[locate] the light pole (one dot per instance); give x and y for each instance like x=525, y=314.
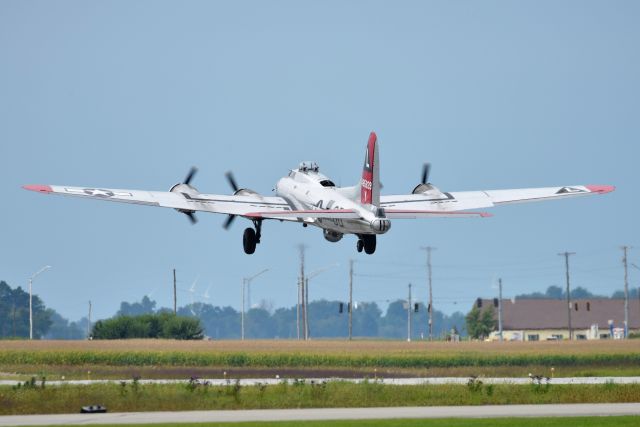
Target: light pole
x=33, y=276
x=246, y=281
x=409, y=315
x=306, y=296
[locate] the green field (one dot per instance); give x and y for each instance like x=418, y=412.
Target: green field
x=179, y=359
x=135, y=397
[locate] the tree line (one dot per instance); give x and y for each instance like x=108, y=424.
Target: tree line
x=327, y=319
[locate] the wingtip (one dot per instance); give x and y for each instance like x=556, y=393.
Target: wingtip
x=38, y=188
x=600, y=189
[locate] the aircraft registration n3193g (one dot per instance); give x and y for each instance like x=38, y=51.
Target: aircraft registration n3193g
x=307, y=196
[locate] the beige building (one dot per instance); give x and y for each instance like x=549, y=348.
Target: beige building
x=547, y=319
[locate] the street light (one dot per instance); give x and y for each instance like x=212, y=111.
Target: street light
x=246, y=281
x=306, y=295
x=33, y=276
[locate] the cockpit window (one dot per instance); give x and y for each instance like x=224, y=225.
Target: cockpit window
x=327, y=183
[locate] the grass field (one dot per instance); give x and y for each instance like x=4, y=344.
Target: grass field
x=444, y=422
x=180, y=359
x=137, y=397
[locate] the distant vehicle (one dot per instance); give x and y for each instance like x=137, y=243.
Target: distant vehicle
x=307, y=196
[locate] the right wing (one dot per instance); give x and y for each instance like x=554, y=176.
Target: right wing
x=436, y=203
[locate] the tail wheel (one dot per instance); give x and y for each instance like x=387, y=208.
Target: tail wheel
x=249, y=241
x=369, y=243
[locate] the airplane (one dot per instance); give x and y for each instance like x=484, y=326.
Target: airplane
x=307, y=196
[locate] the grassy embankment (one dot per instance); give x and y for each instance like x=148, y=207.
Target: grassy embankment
x=135, y=397
x=179, y=359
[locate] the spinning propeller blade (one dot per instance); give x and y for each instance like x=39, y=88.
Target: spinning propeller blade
x=190, y=175
x=426, y=168
x=232, y=181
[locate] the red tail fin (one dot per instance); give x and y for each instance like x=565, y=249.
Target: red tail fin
x=370, y=183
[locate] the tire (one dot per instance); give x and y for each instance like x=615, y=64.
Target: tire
x=369, y=243
x=249, y=241
x=359, y=245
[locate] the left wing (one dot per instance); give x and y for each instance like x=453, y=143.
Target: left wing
x=434, y=202
x=186, y=201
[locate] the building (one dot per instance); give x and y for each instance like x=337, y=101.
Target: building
x=546, y=319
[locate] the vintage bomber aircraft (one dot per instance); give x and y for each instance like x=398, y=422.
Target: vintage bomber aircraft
x=305, y=195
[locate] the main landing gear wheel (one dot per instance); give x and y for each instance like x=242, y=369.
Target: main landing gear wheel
x=251, y=237
x=249, y=241
x=369, y=243
x=360, y=245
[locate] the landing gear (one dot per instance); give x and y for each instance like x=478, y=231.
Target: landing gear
x=366, y=242
x=251, y=237
x=249, y=241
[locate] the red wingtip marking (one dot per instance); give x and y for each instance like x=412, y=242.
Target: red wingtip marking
x=38, y=188
x=486, y=214
x=601, y=189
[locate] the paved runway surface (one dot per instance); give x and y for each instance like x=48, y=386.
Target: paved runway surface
x=570, y=410
x=391, y=381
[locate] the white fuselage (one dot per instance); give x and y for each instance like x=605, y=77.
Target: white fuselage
x=308, y=190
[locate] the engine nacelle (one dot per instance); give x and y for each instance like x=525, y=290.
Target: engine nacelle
x=244, y=192
x=183, y=188
x=380, y=225
x=332, y=236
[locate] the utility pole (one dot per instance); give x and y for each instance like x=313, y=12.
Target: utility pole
x=566, y=263
x=306, y=308
x=409, y=315
x=246, y=282
x=500, y=308
x=301, y=297
x=626, y=291
x=350, y=299
x=175, y=298
x=638, y=289
x=430, y=306
x=33, y=276
x=89, y=322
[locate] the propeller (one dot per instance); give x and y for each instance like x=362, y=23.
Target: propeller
x=426, y=168
x=190, y=175
x=187, y=180
x=234, y=186
x=192, y=216
x=228, y=222
x=232, y=181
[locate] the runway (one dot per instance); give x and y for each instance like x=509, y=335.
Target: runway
x=494, y=411
x=388, y=381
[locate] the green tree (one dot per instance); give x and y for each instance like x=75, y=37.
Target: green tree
x=160, y=325
x=14, y=313
x=480, y=323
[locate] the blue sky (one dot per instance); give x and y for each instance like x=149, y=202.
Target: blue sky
x=126, y=94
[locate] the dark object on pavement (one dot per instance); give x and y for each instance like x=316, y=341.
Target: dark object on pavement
x=93, y=409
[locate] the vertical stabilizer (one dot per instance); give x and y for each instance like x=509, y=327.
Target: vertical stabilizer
x=370, y=183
